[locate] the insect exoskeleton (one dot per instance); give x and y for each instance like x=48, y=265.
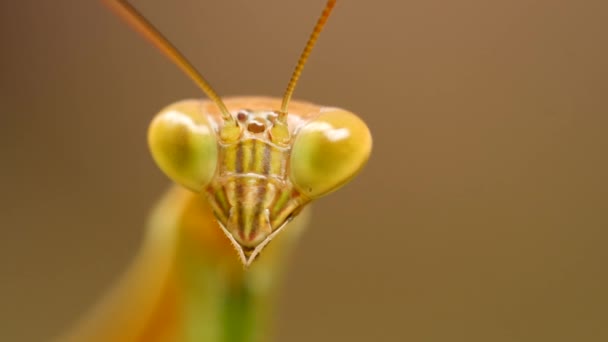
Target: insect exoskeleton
x=254, y=181
x=259, y=160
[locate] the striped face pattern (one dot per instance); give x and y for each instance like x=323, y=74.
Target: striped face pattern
x=252, y=195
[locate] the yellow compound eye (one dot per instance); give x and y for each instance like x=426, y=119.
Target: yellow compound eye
x=184, y=145
x=328, y=152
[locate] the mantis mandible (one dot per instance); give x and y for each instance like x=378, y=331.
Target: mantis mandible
x=245, y=167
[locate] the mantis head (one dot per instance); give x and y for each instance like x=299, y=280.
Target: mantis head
x=256, y=160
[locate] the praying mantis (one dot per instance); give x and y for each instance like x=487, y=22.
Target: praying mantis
x=245, y=169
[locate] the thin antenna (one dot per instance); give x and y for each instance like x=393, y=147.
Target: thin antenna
x=303, y=57
x=140, y=24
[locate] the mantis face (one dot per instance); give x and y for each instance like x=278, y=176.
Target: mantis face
x=256, y=159
x=257, y=177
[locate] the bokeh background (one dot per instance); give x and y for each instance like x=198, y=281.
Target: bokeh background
x=483, y=212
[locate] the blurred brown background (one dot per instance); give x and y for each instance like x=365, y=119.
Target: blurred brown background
x=482, y=215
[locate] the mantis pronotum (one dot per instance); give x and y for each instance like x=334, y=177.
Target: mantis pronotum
x=245, y=167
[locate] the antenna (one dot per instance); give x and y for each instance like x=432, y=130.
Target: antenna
x=140, y=24
x=303, y=57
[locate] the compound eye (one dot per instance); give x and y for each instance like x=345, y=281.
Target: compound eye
x=184, y=145
x=328, y=152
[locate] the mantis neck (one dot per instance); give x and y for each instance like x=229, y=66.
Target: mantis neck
x=219, y=299
x=187, y=283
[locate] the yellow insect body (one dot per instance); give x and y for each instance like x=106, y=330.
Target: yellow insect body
x=245, y=168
